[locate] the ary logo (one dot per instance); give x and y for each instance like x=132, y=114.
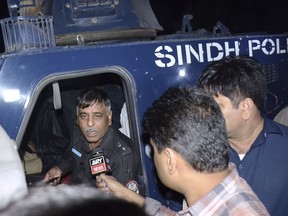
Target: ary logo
x=97, y=161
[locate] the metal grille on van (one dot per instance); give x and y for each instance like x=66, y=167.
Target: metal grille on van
x=26, y=33
x=89, y=3
x=90, y=8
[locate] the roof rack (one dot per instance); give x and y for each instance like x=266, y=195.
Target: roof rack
x=26, y=33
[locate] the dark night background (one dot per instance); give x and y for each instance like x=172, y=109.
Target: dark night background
x=242, y=16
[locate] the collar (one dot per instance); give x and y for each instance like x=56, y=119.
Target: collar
x=269, y=128
x=107, y=141
x=227, y=184
x=207, y=202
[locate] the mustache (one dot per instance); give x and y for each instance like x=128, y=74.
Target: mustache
x=90, y=129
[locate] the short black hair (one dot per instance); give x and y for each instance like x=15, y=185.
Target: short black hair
x=235, y=77
x=92, y=95
x=188, y=120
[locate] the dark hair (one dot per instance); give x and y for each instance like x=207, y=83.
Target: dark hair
x=188, y=120
x=237, y=78
x=92, y=95
x=70, y=200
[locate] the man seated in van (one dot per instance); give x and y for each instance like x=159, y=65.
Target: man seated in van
x=92, y=133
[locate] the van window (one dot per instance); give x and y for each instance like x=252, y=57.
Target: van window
x=49, y=131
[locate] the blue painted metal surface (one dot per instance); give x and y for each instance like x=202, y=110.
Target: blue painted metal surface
x=153, y=65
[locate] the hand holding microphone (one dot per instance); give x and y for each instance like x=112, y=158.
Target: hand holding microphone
x=99, y=164
x=109, y=184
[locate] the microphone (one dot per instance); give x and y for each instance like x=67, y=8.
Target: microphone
x=99, y=163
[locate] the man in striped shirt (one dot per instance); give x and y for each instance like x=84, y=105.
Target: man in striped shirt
x=189, y=139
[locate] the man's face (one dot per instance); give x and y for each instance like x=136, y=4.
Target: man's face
x=160, y=164
x=233, y=118
x=94, y=122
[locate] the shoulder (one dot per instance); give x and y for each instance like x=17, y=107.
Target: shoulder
x=274, y=128
x=123, y=144
x=239, y=196
x=122, y=136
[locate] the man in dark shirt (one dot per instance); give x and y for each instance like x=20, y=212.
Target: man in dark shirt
x=258, y=145
x=93, y=131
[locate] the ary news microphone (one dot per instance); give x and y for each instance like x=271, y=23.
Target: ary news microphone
x=99, y=163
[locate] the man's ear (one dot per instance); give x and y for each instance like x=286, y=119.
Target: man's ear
x=171, y=160
x=247, y=107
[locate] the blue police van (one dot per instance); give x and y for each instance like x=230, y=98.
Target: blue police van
x=53, y=49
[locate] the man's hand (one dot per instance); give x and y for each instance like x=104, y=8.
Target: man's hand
x=53, y=176
x=109, y=184
x=101, y=185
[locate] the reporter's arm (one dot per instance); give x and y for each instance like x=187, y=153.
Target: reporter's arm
x=110, y=185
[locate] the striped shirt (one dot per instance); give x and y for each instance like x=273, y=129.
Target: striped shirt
x=233, y=197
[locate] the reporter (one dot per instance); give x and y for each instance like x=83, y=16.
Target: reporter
x=189, y=139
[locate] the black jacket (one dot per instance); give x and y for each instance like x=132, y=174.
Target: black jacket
x=117, y=147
